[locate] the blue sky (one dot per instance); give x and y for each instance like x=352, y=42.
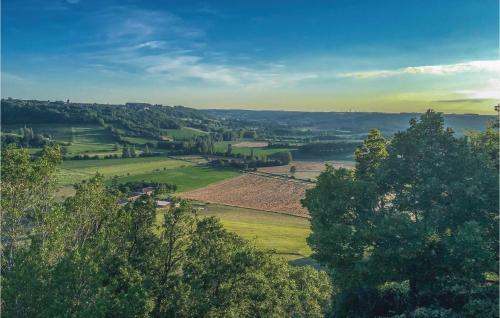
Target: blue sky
x=393, y=56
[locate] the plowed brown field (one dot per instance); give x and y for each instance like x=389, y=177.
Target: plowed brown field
x=255, y=192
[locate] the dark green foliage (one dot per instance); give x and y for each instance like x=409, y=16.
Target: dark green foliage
x=138, y=185
x=26, y=138
x=90, y=257
x=419, y=214
x=285, y=157
x=328, y=148
x=136, y=119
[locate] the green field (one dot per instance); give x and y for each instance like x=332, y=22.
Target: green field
x=84, y=139
x=221, y=146
x=186, y=178
x=283, y=233
x=186, y=174
x=139, y=140
x=184, y=133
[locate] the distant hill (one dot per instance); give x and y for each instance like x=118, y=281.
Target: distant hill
x=348, y=122
x=137, y=119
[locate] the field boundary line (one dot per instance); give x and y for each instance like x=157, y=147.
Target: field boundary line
x=251, y=208
x=278, y=176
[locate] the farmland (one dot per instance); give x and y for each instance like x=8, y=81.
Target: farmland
x=283, y=233
x=244, y=148
x=186, y=173
x=186, y=177
x=84, y=139
x=255, y=192
x=306, y=169
x=251, y=144
x=184, y=133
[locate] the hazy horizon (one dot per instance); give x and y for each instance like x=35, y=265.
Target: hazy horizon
x=323, y=56
x=278, y=109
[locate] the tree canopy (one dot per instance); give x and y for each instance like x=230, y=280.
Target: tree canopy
x=413, y=230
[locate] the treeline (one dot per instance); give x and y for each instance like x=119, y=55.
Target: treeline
x=327, y=148
x=90, y=257
x=143, y=120
x=160, y=187
x=240, y=161
x=26, y=138
x=192, y=146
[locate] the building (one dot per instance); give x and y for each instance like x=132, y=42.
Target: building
x=148, y=190
x=163, y=204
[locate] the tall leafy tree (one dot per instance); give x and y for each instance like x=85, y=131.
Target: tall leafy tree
x=420, y=213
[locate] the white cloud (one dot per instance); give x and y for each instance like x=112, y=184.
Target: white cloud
x=489, y=91
x=445, y=69
x=181, y=67
x=131, y=24
x=161, y=45
x=151, y=45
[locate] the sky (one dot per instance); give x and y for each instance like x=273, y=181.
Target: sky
x=337, y=55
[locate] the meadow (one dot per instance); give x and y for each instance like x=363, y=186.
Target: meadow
x=84, y=139
x=285, y=234
x=184, y=133
x=186, y=178
x=221, y=146
x=186, y=174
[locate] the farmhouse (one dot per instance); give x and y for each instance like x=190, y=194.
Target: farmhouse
x=148, y=190
x=132, y=196
x=163, y=204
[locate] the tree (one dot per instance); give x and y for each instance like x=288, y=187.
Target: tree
x=421, y=213
x=285, y=157
x=370, y=155
x=27, y=192
x=133, y=153
x=126, y=152
x=90, y=257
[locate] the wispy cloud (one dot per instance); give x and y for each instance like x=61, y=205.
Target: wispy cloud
x=136, y=25
x=162, y=45
x=176, y=67
x=444, y=69
x=11, y=77
x=151, y=45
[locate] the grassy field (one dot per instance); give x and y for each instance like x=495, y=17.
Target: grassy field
x=283, y=233
x=139, y=141
x=75, y=170
x=186, y=178
x=221, y=146
x=84, y=139
x=186, y=174
x=184, y=133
